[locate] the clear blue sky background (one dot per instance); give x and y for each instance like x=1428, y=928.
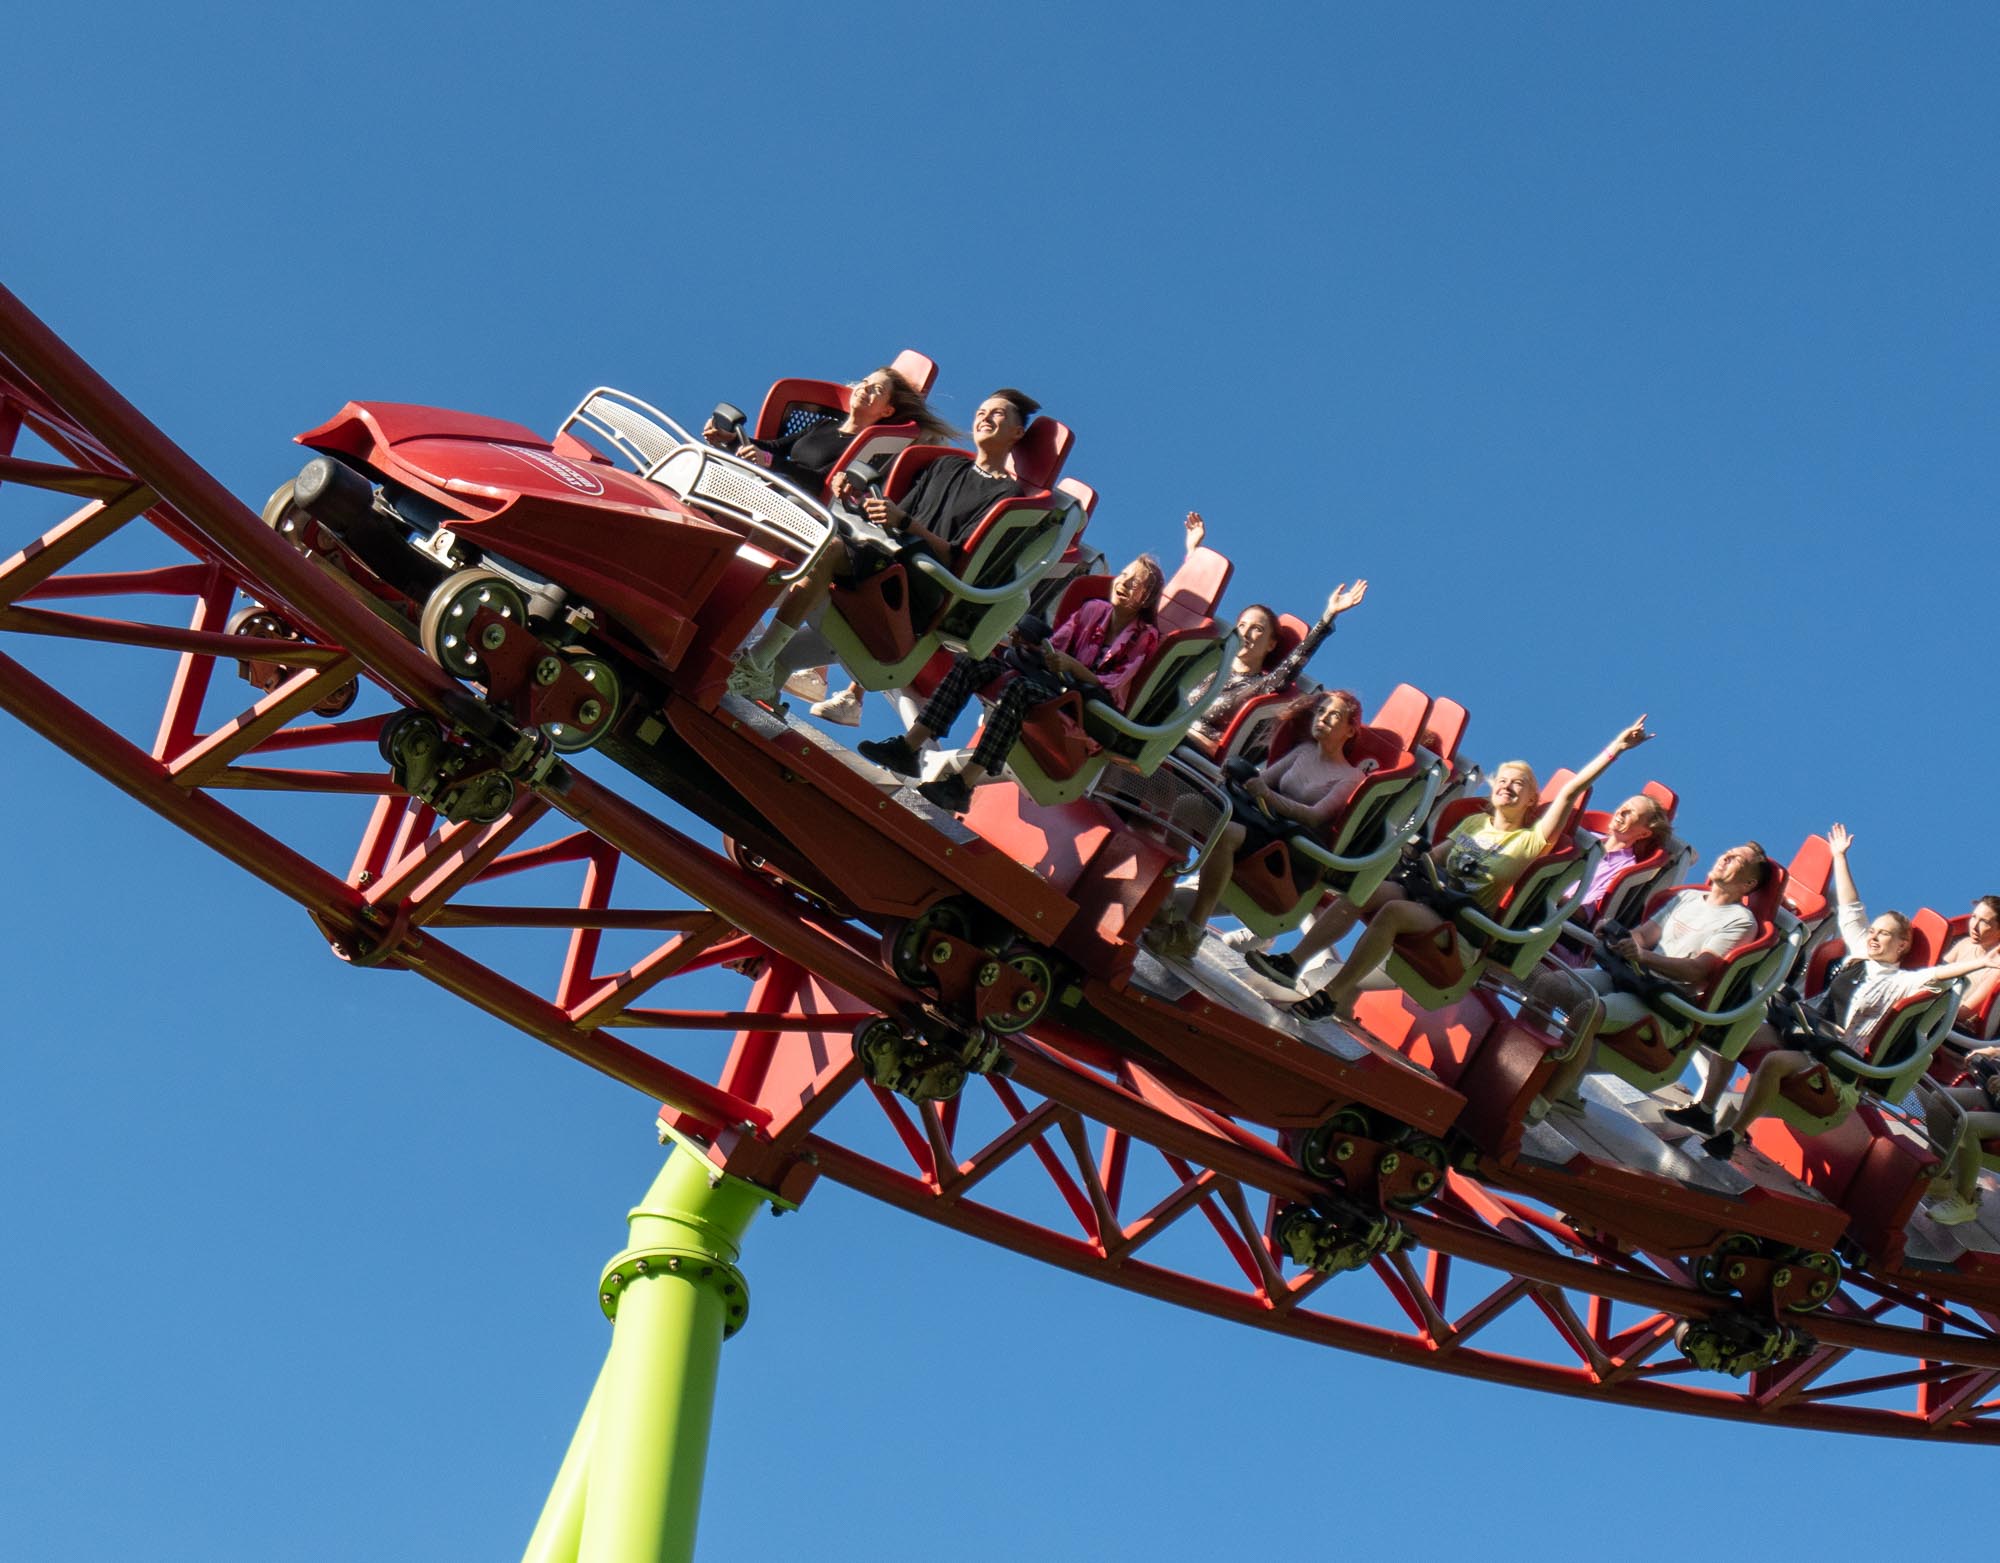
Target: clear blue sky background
x=1642, y=357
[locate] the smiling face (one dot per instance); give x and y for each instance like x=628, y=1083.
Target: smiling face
x=1135, y=586
x=869, y=401
x=1634, y=819
x=1513, y=790
x=1887, y=940
x=1257, y=632
x=997, y=427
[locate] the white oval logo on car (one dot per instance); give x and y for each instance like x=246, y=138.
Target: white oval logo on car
x=566, y=473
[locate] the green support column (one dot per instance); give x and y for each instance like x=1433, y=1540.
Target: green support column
x=630, y=1487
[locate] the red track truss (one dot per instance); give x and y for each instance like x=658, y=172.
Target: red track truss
x=1099, y=1169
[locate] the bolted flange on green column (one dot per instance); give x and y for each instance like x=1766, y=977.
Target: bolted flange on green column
x=673, y=1295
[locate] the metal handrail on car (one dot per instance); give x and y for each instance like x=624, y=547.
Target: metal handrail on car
x=1100, y=710
x=1760, y=992
x=1026, y=573
x=1565, y=906
x=663, y=452
x=1928, y=1042
x=1396, y=834
x=1138, y=796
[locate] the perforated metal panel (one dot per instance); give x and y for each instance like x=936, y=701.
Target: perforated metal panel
x=733, y=488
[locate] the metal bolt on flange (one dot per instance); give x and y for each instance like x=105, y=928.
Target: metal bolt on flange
x=588, y=712
x=547, y=671
x=989, y=974
x=493, y=637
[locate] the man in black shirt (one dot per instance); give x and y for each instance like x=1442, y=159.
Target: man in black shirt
x=936, y=515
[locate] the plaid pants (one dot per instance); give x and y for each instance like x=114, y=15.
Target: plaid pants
x=1003, y=722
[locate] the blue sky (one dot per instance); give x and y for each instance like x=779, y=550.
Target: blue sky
x=1642, y=358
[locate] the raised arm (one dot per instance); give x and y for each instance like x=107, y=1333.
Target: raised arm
x=1557, y=808
x=1840, y=841
x=1283, y=672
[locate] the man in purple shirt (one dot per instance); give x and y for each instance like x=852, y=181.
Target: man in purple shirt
x=1638, y=825
x=1100, y=647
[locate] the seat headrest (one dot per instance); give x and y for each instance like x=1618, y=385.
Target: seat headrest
x=1444, y=727
x=1765, y=901
x=1191, y=595
x=1403, y=714
x=1291, y=631
x=1038, y=459
x=1663, y=795
x=920, y=369
x=1928, y=932
x=1811, y=866
x=1082, y=493
x=1372, y=743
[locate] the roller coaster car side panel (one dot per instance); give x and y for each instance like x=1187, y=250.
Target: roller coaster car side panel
x=889, y=862
x=1116, y=877
x=1267, y=1077
x=1874, y=1167
x=1474, y=1047
x=620, y=544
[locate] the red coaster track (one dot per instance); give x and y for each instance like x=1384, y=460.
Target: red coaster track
x=1081, y=1157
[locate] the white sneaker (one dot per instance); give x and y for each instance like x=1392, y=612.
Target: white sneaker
x=808, y=684
x=1244, y=939
x=843, y=709
x=1952, y=1211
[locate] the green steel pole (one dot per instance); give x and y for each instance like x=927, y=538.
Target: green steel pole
x=673, y=1295
x=561, y=1524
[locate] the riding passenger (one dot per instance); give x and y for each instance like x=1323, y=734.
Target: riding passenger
x=1636, y=827
x=1306, y=785
x=1871, y=984
x=1253, y=673
x=1982, y=937
x=1099, y=647
x=805, y=458
x=939, y=512
x=1484, y=855
x=1682, y=944
x=1980, y=1105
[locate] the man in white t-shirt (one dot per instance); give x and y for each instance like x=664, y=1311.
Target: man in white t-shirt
x=1683, y=943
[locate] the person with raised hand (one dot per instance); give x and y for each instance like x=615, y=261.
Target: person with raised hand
x=1870, y=984
x=1482, y=856
x=1253, y=672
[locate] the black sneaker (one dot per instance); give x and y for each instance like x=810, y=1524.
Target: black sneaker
x=1693, y=1116
x=892, y=754
x=1720, y=1146
x=1281, y=969
x=948, y=792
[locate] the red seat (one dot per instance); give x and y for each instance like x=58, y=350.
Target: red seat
x=795, y=404
x=1632, y=886
x=1896, y=1051
x=1722, y=1012
x=1250, y=729
x=1158, y=705
x=1273, y=888
x=1442, y=967
x=885, y=628
x=1444, y=728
